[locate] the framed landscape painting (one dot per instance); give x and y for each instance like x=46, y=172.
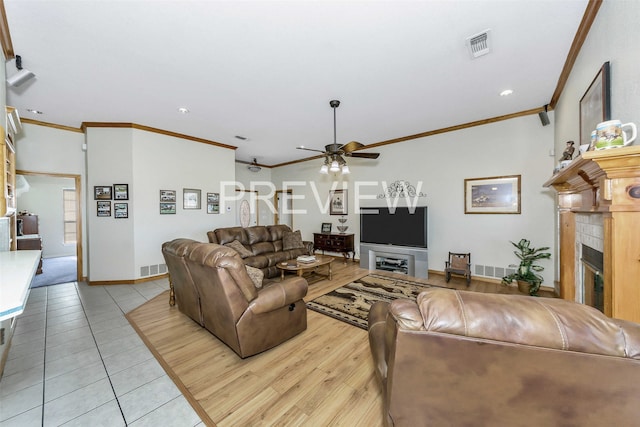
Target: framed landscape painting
x=492, y=195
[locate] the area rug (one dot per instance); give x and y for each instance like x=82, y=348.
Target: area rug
x=351, y=303
x=55, y=271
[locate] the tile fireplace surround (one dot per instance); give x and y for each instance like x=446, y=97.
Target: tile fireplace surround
x=599, y=206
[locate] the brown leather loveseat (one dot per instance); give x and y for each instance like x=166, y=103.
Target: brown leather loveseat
x=263, y=247
x=459, y=358
x=212, y=286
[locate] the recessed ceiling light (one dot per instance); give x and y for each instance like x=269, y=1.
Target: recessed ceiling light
x=183, y=110
x=506, y=92
x=32, y=111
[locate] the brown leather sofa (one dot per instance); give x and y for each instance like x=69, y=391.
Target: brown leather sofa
x=246, y=318
x=459, y=358
x=265, y=245
x=186, y=295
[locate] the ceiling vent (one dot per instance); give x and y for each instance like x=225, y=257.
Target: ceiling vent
x=479, y=44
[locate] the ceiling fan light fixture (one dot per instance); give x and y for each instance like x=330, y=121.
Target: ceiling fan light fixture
x=324, y=169
x=345, y=169
x=335, y=166
x=254, y=167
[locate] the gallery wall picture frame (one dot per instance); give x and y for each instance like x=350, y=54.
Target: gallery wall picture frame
x=595, y=104
x=213, y=203
x=121, y=210
x=326, y=227
x=104, y=208
x=167, y=196
x=102, y=192
x=120, y=191
x=492, y=195
x=167, y=208
x=191, y=198
x=338, y=202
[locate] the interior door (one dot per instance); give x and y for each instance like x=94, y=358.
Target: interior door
x=284, y=207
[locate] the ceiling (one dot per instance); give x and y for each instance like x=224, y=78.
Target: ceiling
x=266, y=70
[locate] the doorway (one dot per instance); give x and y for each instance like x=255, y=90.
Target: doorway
x=56, y=181
x=283, y=202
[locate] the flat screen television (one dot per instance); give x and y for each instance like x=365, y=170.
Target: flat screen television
x=399, y=228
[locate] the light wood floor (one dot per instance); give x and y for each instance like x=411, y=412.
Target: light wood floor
x=324, y=376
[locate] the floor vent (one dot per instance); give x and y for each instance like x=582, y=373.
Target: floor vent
x=144, y=271
x=491, y=271
x=479, y=44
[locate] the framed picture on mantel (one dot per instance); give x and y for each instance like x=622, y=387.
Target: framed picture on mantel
x=595, y=104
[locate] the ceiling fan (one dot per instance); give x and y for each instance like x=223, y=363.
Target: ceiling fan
x=334, y=153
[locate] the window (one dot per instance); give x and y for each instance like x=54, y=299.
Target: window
x=69, y=215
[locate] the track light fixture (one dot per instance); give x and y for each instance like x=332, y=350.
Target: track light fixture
x=22, y=76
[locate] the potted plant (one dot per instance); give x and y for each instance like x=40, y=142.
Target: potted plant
x=526, y=275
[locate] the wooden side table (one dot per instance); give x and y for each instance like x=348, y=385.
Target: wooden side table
x=335, y=242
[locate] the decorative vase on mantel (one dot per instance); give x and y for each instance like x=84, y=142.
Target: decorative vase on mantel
x=342, y=228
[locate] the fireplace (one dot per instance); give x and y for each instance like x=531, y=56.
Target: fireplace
x=592, y=282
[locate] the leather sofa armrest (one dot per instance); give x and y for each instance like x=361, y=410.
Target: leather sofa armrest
x=377, y=342
x=279, y=294
x=308, y=246
x=407, y=314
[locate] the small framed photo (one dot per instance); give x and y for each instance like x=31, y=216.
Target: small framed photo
x=190, y=198
x=492, y=195
x=167, y=208
x=167, y=196
x=326, y=227
x=102, y=192
x=121, y=210
x=213, y=203
x=338, y=202
x=104, y=208
x=120, y=192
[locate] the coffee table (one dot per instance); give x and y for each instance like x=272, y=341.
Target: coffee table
x=301, y=267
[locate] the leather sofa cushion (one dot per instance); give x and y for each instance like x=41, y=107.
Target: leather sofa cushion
x=238, y=247
x=292, y=240
x=549, y=322
x=257, y=234
x=228, y=235
x=260, y=248
x=277, y=231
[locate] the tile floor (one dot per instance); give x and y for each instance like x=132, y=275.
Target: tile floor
x=76, y=361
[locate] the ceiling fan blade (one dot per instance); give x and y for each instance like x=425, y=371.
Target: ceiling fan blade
x=310, y=149
x=364, y=155
x=351, y=146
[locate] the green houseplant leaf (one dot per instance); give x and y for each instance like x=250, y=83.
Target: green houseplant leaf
x=527, y=270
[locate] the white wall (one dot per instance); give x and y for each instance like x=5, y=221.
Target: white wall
x=614, y=37
x=45, y=199
x=441, y=163
x=46, y=149
x=261, y=182
x=149, y=162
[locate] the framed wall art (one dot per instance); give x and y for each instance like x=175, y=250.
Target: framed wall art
x=121, y=210
x=120, y=191
x=104, y=208
x=492, y=195
x=102, y=192
x=338, y=202
x=213, y=203
x=326, y=227
x=190, y=198
x=167, y=196
x=595, y=104
x=167, y=208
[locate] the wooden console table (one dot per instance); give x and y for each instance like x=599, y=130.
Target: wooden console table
x=335, y=242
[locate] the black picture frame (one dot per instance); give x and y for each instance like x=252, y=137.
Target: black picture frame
x=167, y=196
x=103, y=208
x=191, y=198
x=595, y=104
x=213, y=203
x=120, y=191
x=121, y=210
x=102, y=192
x=326, y=227
x=167, y=208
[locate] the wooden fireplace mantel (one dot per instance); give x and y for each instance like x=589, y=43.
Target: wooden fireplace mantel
x=606, y=182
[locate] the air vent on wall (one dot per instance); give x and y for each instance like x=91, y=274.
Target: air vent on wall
x=479, y=44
